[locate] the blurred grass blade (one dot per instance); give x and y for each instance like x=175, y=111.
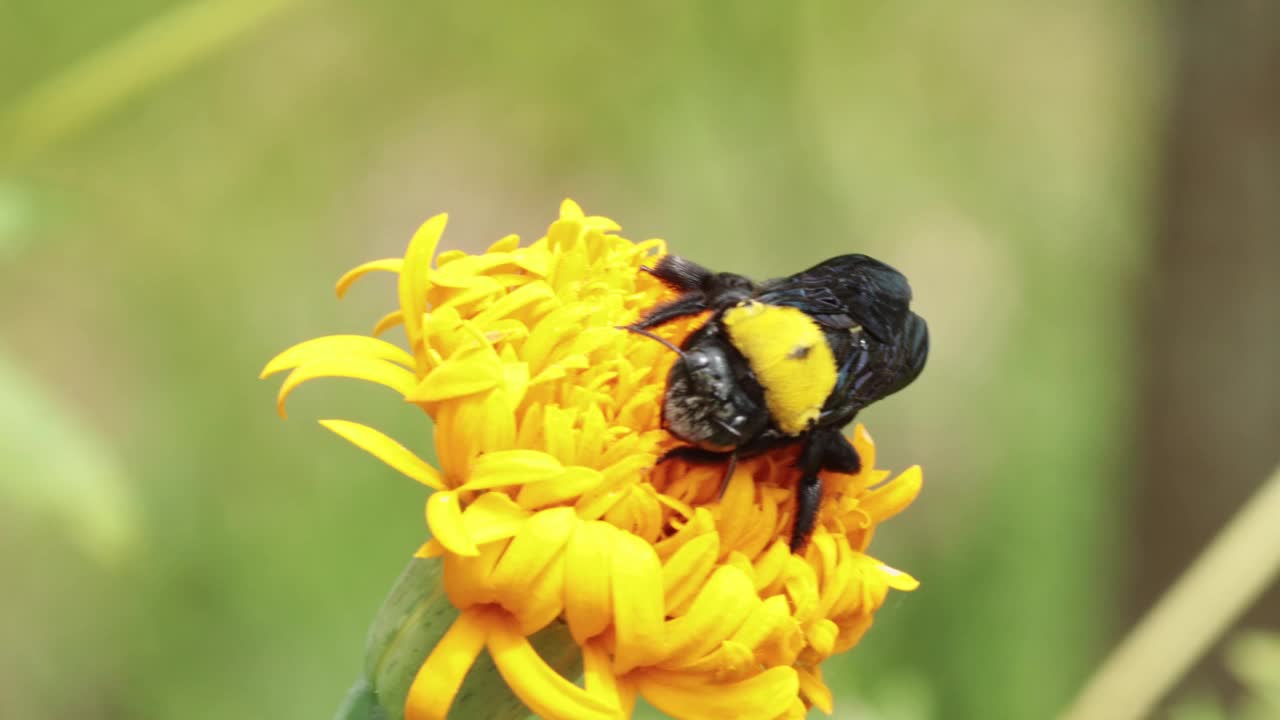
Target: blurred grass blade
x=1223, y=582
x=159, y=49
x=52, y=465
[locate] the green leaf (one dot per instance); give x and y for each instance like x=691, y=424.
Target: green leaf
x=414, y=617
x=57, y=466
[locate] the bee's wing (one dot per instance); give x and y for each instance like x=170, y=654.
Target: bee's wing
x=846, y=292
x=877, y=372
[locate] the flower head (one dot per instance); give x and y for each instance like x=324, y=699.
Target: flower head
x=549, y=504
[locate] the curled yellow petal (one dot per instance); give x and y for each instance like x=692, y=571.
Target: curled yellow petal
x=719, y=610
x=358, y=368
x=413, y=276
x=538, y=685
x=598, y=677
x=688, y=568
x=821, y=635
x=541, y=601
x=445, y=519
x=540, y=540
x=388, y=321
x=439, y=678
x=336, y=346
x=814, y=689
x=894, y=496
x=348, y=279
x=387, y=450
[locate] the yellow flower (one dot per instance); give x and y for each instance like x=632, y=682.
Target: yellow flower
x=548, y=506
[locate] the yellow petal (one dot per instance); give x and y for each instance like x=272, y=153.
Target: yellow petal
x=493, y=516
x=570, y=210
x=692, y=697
x=457, y=377
x=814, y=689
x=769, y=567
x=438, y=680
x=898, y=580
x=506, y=244
x=701, y=523
x=802, y=587
x=636, y=578
x=719, y=610
x=570, y=484
x=358, y=368
x=388, y=321
x=513, y=302
x=587, y=588
x=821, y=636
x=728, y=662
x=538, y=685
x=387, y=450
x=337, y=346
x=685, y=572
x=865, y=446
x=429, y=549
x=413, y=276
x=894, y=496
x=444, y=517
x=852, y=630
x=766, y=619
x=536, y=605
x=504, y=468
x=598, y=677
x=466, y=578
x=385, y=265
x=542, y=538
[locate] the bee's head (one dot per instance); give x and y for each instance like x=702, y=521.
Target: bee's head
x=712, y=401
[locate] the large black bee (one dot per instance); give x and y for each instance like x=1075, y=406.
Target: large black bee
x=786, y=361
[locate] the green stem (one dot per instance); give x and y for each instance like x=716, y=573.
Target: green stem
x=1221, y=584
x=156, y=51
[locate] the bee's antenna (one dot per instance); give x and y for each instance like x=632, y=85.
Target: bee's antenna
x=651, y=336
x=728, y=474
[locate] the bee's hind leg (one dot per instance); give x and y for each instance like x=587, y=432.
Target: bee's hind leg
x=824, y=449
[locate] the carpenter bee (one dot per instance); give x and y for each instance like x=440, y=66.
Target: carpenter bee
x=787, y=361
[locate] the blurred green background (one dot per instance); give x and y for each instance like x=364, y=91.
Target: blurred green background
x=181, y=184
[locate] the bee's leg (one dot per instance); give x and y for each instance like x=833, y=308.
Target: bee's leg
x=808, y=489
x=824, y=449
x=808, y=500
x=683, y=306
x=728, y=473
x=694, y=455
x=680, y=274
x=840, y=455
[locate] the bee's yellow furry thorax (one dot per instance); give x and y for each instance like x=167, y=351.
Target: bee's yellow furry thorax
x=790, y=357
